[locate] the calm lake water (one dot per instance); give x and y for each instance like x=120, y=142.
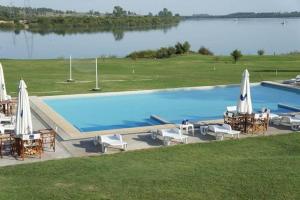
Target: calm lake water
x=219, y=35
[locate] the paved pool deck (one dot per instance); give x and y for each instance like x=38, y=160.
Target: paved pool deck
x=86, y=147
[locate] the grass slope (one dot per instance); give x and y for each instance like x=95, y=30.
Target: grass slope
x=44, y=76
x=253, y=168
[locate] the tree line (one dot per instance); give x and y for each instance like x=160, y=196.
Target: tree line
x=48, y=20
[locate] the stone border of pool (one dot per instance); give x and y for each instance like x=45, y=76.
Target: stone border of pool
x=67, y=131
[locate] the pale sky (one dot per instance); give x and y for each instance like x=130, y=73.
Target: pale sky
x=183, y=7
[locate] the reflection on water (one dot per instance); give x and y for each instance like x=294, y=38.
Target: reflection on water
x=220, y=35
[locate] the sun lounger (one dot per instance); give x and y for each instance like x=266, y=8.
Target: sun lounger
x=222, y=130
x=293, y=122
x=110, y=141
x=293, y=80
x=169, y=135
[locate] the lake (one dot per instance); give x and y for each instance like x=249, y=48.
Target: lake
x=221, y=36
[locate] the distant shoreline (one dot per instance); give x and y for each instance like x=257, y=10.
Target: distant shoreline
x=242, y=15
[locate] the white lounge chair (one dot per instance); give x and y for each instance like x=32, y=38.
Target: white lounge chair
x=222, y=130
x=169, y=135
x=293, y=122
x=293, y=80
x=297, y=79
x=110, y=141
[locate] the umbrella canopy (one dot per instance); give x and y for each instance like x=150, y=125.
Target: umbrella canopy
x=23, y=115
x=245, y=103
x=3, y=94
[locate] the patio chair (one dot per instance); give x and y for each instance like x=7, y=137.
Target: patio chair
x=169, y=135
x=110, y=141
x=7, y=128
x=260, y=123
x=232, y=109
x=7, y=119
x=222, y=130
x=6, y=143
x=291, y=121
x=48, y=138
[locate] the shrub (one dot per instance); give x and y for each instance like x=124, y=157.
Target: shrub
x=205, y=51
x=236, y=55
x=142, y=54
x=162, y=53
x=182, y=48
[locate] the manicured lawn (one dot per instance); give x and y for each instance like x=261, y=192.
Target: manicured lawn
x=44, y=77
x=254, y=168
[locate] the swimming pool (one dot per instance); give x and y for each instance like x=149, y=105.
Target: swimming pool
x=127, y=110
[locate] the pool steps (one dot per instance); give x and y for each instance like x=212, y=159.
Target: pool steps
x=159, y=119
x=285, y=106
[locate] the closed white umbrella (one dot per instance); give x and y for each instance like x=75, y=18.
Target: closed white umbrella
x=245, y=103
x=23, y=115
x=3, y=94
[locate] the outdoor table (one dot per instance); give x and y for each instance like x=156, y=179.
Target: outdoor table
x=187, y=127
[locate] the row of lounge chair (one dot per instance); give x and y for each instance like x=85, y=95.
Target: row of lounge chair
x=258, y=122
x=293, y=80
x=290, y=121
x=167, y=136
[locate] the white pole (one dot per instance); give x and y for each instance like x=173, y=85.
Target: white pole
x=70, y=68
x=97, y=73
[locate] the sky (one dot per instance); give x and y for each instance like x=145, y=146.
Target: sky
x=183, y=7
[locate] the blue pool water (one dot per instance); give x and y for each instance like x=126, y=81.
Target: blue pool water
x=132, y=110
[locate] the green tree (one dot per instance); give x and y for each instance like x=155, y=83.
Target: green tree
x=165, y=13
x=236, y=55
x=186, y=47
x=179, y=48
x=119, y=11
x=261, y=52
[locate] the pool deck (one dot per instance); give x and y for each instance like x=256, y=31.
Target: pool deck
x=139, y=141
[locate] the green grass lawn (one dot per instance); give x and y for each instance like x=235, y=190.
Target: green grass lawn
x=44, y=77
x=253, y=168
